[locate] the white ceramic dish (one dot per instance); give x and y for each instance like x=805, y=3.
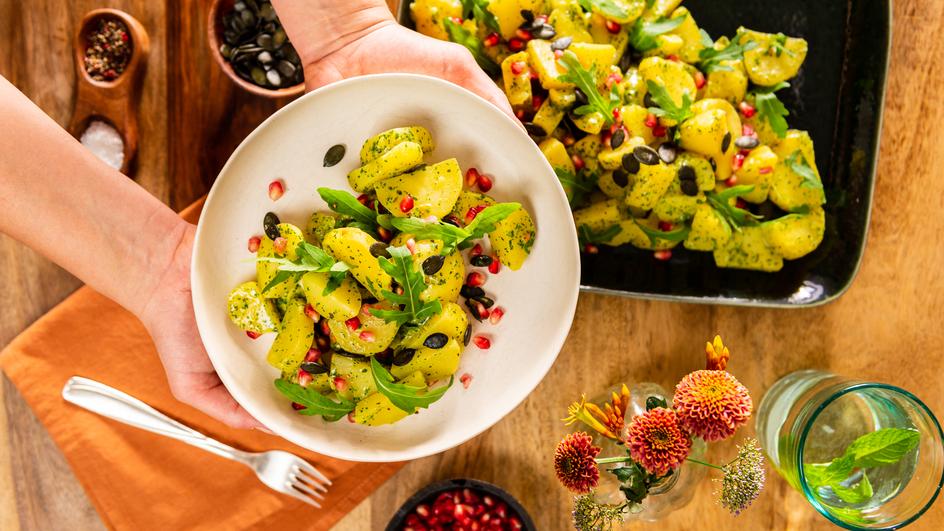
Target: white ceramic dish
x=539, y=299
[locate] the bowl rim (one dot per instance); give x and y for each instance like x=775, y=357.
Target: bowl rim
x=443, y=485
x=567, y=308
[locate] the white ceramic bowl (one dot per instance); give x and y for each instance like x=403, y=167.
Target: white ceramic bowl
x=539, y=299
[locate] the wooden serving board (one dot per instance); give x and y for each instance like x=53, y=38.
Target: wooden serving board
x=191, y=117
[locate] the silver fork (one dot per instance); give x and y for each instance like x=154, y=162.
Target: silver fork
x=280, y=471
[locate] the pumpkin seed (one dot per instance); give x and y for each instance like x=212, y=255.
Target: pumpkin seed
x=258, y=76
x=270, y=225
x=404, y=356
x=689, y=187
x=686, y=173
x=264, y=57
x=273, y=77
x=580, y=97
x=286, y=68
x=486, y=301
x=726, y=142
x=467, y=336
x=562, y=43
x=313, y=368
x=437, y=340
x=534, y=129
x=527, y=15
x=481, y=260
x=433, y=264
x=747, y=142
x=334, y=155
x=621, y=178
x=667, y=152
x=630, y=164
x=646, y=155
x=264, y=40
x=471, y=292
x=546, y=32
x=379, y=249
x=617, y=139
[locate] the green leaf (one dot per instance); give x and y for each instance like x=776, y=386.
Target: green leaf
x=406, y=397
x=798, y=165
x=607, y=8
x=413, y=309
x=311, y=258
x=481, y=13
x=452, y=236
x=666, y=105
x=771, y=109
x=706, y=39
x=586, y=81
x=838, y=470
x=315, y=403
x=485, y=220
x=578, y=188
x=736, y=217
x=676, y=235
x=883, y=447
x=710, y=59
x=643, y=35
x=337, y=274
x=280, y=276
x=588, y=235
x=462, y=36
x=860, y=493
x=346, y=204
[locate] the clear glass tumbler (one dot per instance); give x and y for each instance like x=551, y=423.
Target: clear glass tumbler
x=865, y=455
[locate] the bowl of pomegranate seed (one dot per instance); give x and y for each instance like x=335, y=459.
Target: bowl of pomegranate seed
x=461, y=504
x=384, y=268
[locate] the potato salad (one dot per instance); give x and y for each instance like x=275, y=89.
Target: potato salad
x=368, y=301
x=660, y=135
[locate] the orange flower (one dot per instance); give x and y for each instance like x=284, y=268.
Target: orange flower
x=608, y=421
x=712, y=404
x=575, y=464
x=717, y=354
x=657, y=442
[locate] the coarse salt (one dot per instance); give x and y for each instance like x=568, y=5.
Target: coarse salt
x=105, y=142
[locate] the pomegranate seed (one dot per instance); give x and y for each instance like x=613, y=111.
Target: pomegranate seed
x=398, y=290
x=124, y=36
x=651, y=121
x=485, y=183
x=700, y=80
x=569, y=140
x=491, y=40
x=476, y=250
x=659, y=130
x=363, y=199
x=473, y=211
x=353, y=323
x=367, y=337
x=253, y=335
x=591, y=248
x=579, y=164
x=501, y=511
x=481, y=310
x=488, y=500
x=520, y=114
x=350, y=417
x=411, y=245
x=740, y=203
x=276, y=190
x=536, y=101
x=457, y=20
x=304, y=378
x=747, y=109
x=469, y=497
x=471, y=177
x=541, y=18
x=322, y=342
x=663, y=254
x=280, y=244
x=515, y=523
x=496, y=316
x=313, y=355
x=516, y=44
x=325, y=329
x=738, y=161
x=665, y=226
x=613, y=27
x=617, y=115
x=482, y=342
x=731, y=181
x=523, y=34
x=311, y=313
x=558, y=54
x=297, y=407
x=605, y=138
x=340, y=384
x=765, y=170
x=495, y=266
x=384, y=234
x=475, y=279
x=672, y=57
x=254, y=244
x=422, y=510
x=517, y=67
x=406, y=204
x=747, y=130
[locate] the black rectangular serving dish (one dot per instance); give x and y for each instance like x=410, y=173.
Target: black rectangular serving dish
x=837, y=97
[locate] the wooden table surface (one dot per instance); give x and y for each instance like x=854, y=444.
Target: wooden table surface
x=886, y=328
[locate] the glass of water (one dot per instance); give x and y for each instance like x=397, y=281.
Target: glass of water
x=866, y=455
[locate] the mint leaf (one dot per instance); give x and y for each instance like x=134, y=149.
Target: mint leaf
x=860, y=493
x=666, y=105
x=406, y=397
x=413, y=309
x=607, y=8
x=771, y=109
x=838, y=470
x=315, y=403
x=586, y=81
x=588, y=235
x=798, y=165
x=710, y=59
x=462, y=36
x=346, y=204
x=883, y=447
x=643, y=35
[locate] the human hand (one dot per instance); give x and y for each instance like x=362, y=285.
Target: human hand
x=169, y=318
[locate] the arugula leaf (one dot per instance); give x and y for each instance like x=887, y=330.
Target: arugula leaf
x=706, y=39
x=771, y=109
x=710, y=59
x=462, y=36
x=485, y=220
x=400, y=266
x=798, y=165
x=607, y=8
x=588, y=235
x=452, y=236
x=311, y=258
x=666, y=105
x=736, y=217
x=346, y=204
x=643, y=35
x=315, y=403
x=586, y=81
x=676, y=235
x=280, y=277
x=860, y=493
x=883, y=447
x=476, y=9
x=406, y=397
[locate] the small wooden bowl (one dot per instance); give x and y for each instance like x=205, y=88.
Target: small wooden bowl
x=113, y=102
x=215, y=38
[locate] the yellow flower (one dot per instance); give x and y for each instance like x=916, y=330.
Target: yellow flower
x=717, y=354
x=609, y=421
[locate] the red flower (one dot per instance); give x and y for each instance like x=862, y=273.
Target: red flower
x=574, y=463
x=712, y=404
x=657, y=442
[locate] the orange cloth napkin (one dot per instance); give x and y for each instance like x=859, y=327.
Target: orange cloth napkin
x=136, y=479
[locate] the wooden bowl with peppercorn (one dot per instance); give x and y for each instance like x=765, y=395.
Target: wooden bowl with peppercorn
x=248, y=42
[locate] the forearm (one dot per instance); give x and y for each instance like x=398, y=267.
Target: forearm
x=59, y=199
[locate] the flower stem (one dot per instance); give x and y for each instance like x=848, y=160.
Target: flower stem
x=704, y=463
x=605, y=460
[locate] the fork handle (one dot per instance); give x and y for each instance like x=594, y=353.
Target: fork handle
x=117, y=405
